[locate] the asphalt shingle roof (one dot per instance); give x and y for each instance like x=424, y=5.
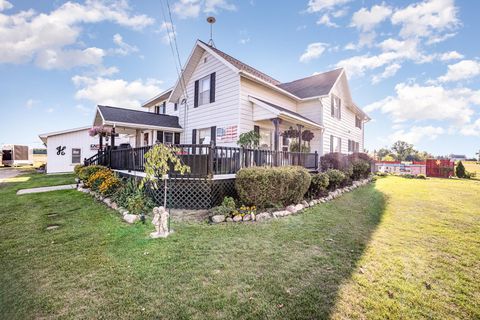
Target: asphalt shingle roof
x=313, y=86
x=286, y=111
x=114, y=114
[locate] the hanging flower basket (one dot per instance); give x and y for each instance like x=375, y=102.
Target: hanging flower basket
x=99, y=130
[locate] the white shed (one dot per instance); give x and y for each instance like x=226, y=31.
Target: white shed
x=67, y=148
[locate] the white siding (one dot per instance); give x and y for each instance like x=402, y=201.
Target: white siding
x=344, y=128
x=222, y=112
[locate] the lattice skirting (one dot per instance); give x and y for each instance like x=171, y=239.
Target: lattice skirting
x=194, y=193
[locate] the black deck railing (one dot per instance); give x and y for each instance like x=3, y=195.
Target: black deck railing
x=207, y=160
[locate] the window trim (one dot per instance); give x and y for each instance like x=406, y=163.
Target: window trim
x=339, y=141
x=358, y=122
x=204, y=95
x=199, y=131
x=79, y=155
x=334, y=113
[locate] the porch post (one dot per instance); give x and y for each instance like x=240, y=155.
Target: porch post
x=113, y=137
x=301, y=161
x=100, y=142
x=276, y=141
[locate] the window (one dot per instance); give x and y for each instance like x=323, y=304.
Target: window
x=157, y=109
x=353, y=146
x=204, y=90
x=168, y=137
x=265, y=139
x=204, y=136
x=336, y=107
x=76, y=155
x=358, y=122
x=335, y=144
x=145, y=139
x=164, y=107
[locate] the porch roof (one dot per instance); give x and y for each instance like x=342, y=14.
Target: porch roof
x=136, y=119
x=285, y=114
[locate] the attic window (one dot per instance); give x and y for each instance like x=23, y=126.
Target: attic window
x=205, y=60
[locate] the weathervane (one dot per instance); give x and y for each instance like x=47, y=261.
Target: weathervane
x=211, y=21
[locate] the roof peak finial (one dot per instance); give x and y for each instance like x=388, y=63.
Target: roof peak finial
x=211, y=20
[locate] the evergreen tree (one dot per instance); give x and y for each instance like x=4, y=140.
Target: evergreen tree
x=460, y=170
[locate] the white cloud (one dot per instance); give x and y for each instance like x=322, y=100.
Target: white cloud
x=313, y=51
x=115, y=92
x=366, y=20
x=416, y=134
x=123, y=47
x=244, y=40
x=50, y=39
x=472, y=129
x=427, y=19
x=212, y=6
x=191, y=8
x=389, y=71
x=324, y=5
x=465, y=69
x=84, y=110
x=5, y=5
x=168, y=31
x=417, y=103
x=325, y=20
x=451, y=55
x=49, y=110
x=31, y=102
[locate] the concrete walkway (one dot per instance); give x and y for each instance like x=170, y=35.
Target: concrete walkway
x=7, y=173
x=46, y=189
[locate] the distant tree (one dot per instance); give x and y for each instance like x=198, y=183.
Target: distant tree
x=383, y=152
x=402, y=149
x=460, y=170
x=388, y=157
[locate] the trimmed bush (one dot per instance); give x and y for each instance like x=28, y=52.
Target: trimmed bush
x=360, y=169
x=336, y=178
x=84, y=172
x=319, y=185
x=264, y=187
x=421, y=176
x=460, y=170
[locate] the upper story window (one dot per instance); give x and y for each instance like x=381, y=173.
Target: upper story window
x=163, y=108
x=204, y=90
x=157, y=109
x=336, y=107
x=358, y=122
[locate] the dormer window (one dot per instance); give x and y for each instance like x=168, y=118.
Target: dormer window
x=336, y=107
x=157, y=109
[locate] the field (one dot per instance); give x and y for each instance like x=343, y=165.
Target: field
x=399, y=249
x=473, y=166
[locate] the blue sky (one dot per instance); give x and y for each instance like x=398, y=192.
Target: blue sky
x=413, y=65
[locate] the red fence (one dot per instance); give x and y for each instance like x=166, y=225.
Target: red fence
x=440, y=168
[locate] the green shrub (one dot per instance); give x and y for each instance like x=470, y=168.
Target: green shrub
x=381, y=174
x=77, y=169
x=335, y=178
x=421, y=176
x=263, y=187
x=104, y=180
x=319, y=185
x=408, y=175
x=360, y=169
x=84, y=172
x=226, y=209
x=127, y=189
x=460, y=170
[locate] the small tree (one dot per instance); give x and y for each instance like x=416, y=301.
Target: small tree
x=159, y=160
x=249, y=139
x=460, y=170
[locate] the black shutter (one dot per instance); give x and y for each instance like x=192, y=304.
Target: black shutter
x=212, y=87
x=195, y=100
x=332, y=106
x=160, y=136
x=339, y=109
x=194, y=136
x=175, y=108
x=331, y=143
x=256, y=129
x=213, y=135
x=176, y=139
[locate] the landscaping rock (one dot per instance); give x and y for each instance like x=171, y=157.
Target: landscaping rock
x=131, y=218
x=107, y=201
x=263, y=216
x=229, y=219
x=291, y=208
x=247, y=217
x=254, y=216
x=237, y=218
x=299, y=207
x=282, y=213
x=323, y=200
x=114, y=206
x=218, y=218
x=312, y=203
x=305, y=204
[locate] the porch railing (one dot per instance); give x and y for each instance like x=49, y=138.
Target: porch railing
x=207, y=160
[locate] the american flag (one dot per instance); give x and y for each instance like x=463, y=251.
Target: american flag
x=227, y=134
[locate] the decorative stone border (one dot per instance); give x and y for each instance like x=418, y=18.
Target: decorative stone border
x=291, y=209
x=128, y=217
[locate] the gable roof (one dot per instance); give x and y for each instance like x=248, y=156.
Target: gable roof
x=243, y=66
x=113, y=115
x=158, y=98
x=313, y=86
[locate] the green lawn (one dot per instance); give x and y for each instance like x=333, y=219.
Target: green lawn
x=473, y=166
x=398, y=248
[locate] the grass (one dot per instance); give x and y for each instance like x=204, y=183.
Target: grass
x=473, y=166
x=370, y=254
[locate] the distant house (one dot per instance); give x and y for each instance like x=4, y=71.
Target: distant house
x=458, y=157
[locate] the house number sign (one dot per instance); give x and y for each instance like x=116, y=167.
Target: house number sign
x=61, y=150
